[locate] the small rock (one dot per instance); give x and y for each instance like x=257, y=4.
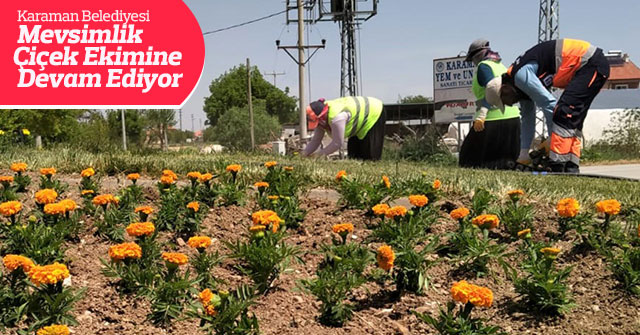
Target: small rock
x=423, y=309
x=180, y=241
x=384, y=311
x=399, y=328
x=298, y=299
x=595, y=308
x=582, y=290
x=67, y=281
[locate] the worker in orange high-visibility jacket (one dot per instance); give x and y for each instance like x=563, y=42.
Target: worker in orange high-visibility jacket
x=579, y=68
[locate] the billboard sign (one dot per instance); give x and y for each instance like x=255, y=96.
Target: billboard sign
x=452, y=94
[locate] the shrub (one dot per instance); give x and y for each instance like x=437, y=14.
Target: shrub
x=226, y=313
x=232, y=129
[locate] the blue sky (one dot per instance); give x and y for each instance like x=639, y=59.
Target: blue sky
x=399, y=44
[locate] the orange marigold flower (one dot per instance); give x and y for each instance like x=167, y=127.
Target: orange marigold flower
x=525, y=233
x=418, y=200
x=266, y=218
x=176, y=258
x=13, y=262
x=486, y=221
x=19, y=167
x=210, y=310
x=167, y=180
x=257, y=228
x=85, y=192
x=88, y=172
x=568, y=207
x=514, y=194
x=380, y=209
x=48, y=274
x=144, y=209
x=464, y=292
x=54, y=330
x=194, y=175
x=386, y=181
x=609, y=207
x=288, y=168
x=550, y=252
x=270, y=164
x=104, y=199
x=385, y=257
x=459, y=213
x=138, y=229
x=261, y=184
x=170, y=173
x=122, y=251
x=46, y=196
x=10, y=208
x=342, y=228
x=396, y=211
x=199, y=242
x=205, y=177
x=6, y=179
x=54, y=209
x=273, y=197
x=194, y=205
x=234, y=168
x=48, y=171
x=436, y=184
x=341, y=174
x=69, y=205
x=133, y=176
x=205, y=297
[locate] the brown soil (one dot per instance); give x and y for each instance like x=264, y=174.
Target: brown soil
x=601, y=307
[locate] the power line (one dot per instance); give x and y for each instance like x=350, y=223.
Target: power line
x=244, y=23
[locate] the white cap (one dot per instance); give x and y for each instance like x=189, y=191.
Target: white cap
x=492, y=93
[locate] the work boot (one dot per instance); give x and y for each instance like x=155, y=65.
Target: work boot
x=557, y=167
x=572, y=168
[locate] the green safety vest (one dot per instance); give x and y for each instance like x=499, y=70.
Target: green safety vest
x=494, y=114
x=365, y=111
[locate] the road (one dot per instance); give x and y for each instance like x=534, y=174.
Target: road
x=624, y=171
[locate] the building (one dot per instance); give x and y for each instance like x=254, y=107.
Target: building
x=624, y=73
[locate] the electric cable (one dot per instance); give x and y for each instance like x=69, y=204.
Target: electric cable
x=247, y=22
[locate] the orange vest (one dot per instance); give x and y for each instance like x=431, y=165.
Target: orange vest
x=571, y=55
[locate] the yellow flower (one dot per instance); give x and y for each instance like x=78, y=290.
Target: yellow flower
x=85, y=192
x=26, y=132
x=69, y=205
x=176, y=258
x=46, y=196
x=53, y=330
x=418, y=200
x=48, y=274
x=526, y=233
x=88, y=172
x=386, y=182
x=486, y=221
x=234, y=168
x=10, y=208
x=380, y=209
x=266, y=218
x=19, y=167
x=133, y=176
x=205, y=297
x=568, y=207
x=288, y=168
x=6, y=179
x=396, y=211
x=459, y=213
x=48, y=171
x=385, y=257
x=167, y=180
x=144, y=209
x=54, y=209
x=437, y=184
x=342, y=228
x=515, y=194
x=341, y=174
x=550, y=252
x=205, y=177
x=170, y=173
x=199, y=242
x=468, y=293
x=210, y=310
x=261, y=184
x=125, y=250
x=13, y=262
x=138, y=229
x=194, y=205
x=104, y=199
x=270, y=164
x=609, y=207
x=194, y=175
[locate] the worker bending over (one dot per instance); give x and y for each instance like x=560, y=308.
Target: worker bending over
x=579, y=68
x=361, y=120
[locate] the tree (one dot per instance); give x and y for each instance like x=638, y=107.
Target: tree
x=135, y=124
x=415, y=99
x=624, y=130
x=230, y=90
x=54, y=125
x=232, y=130
x=158, y=121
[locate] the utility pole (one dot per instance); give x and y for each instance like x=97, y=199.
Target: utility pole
x=124, y=131
x=180, y=111
x=274, y=74
x=301, y=61
x=193, y=127
x=253, y=139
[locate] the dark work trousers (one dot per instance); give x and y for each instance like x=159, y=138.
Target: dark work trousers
x=571, y=111
x=370, y=147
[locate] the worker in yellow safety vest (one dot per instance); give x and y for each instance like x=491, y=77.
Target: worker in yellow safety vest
x=361, y=120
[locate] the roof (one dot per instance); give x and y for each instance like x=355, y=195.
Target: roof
x=613, y=99
x=624, y=71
